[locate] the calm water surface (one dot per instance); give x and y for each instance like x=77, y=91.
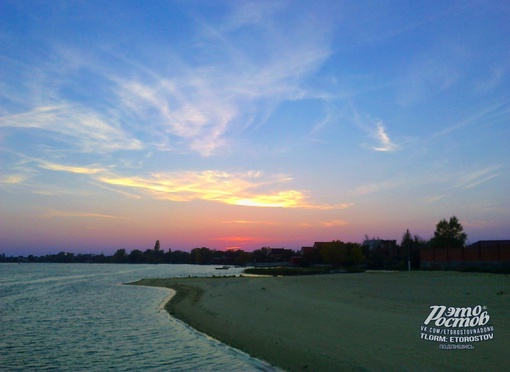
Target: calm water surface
x=79, y=317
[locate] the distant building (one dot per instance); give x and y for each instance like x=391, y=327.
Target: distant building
x=313, y=250
x=482, y=255
x=280, y=254
x=319, y=245
x=306, y=250
x=386, y=247
x=311, y=255
x=267, y=256
x=383, y=254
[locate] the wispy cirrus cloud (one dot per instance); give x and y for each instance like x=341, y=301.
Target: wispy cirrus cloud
x=200, y=109
x=213, y=87
x=54, y=213
x=444, y=183
x=249, y=13
x=386, y=145
x=334, y=223
x=497, y=76
x=371, y=188
x=12, y=178
x=492, y=114
x=82, y=129
x=249, y=222
x=181, y=111
x=70, y=168
x=464, y=179
x=374, y=128
x=29, y=172
x=433, y=199
x=196, y=105
x=474, y=178
x=427, y=77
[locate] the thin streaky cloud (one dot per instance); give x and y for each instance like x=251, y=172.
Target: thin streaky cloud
x=201, y=109
x=496, y=77
x=82, y=129
x=482, y=180
x=192, y=106
x=329, y=117
x=54, y=213
x=12, y=178
x=426, y=77
x=500, y=109
x=434, y=199
x=305, y=224
x=334, y=223
x=26, y=119
x=375, y=129
x=71, y=169
x=411, y=25
x=249, y=222
x=373, y=188
x=474, y=178
x=386, y=144
x=246, y=13
x=115, y=190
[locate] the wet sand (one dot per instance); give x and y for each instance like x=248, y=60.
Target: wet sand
x=365, y=321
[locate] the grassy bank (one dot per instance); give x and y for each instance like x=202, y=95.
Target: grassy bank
x=287, y=271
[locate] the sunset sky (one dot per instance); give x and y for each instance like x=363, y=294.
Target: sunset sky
x=243, y=124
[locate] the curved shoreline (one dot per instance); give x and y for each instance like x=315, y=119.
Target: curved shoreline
x=367, y=321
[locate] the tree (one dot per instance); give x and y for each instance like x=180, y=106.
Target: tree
x=411, y=246
x=158, y=255
x=120, y=256
x=136, y=256
x=202, y=256
x=356, y=255
x=262, y=255
x=180, y=257
x=449, y=234
x=338, y=253
x=242, y=257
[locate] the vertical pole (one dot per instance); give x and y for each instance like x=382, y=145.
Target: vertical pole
x=408, y=253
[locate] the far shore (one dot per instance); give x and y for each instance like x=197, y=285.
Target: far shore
x=344, y=322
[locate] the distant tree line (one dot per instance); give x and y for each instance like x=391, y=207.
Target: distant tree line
x=448, y=234
x=199, y=256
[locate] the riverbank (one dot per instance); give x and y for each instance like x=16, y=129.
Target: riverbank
x=367, y=321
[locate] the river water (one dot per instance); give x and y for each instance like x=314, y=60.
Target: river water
x=77, y=317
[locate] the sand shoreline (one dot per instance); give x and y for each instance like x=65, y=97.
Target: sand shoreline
x=367, y=321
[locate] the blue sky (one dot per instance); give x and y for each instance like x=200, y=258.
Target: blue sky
x=250, y=123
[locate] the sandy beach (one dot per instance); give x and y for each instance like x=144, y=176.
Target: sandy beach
x=365, y=321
